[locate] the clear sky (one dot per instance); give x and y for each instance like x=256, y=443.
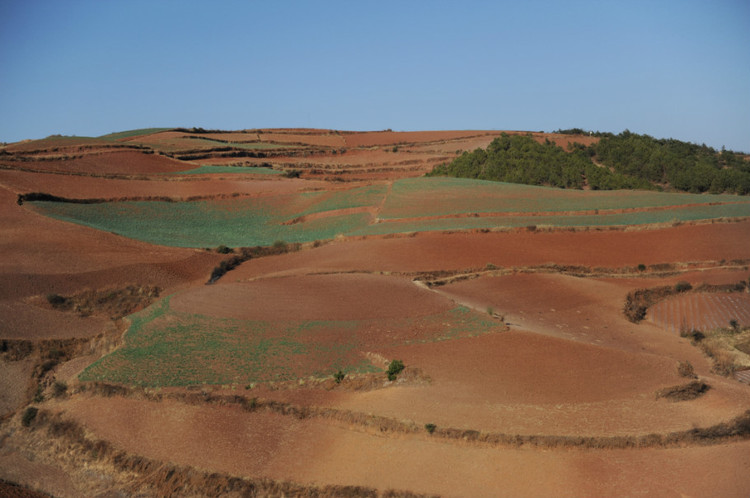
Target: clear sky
x=669, y=68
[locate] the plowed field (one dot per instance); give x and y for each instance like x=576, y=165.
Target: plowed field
x=701, y=311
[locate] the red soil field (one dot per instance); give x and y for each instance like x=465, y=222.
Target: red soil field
x=53, y=144
x=369, y=139
x=465, y=251
x=124, y=162
x=326, y=140
x=316, y=451
x=319, y=297
x=75, y=187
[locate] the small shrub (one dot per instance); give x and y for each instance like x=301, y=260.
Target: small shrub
x=222, y=249
x=490, y=266
x=55, y=299
x=339, y=376
x=395, y=368
x=735, y=325
x=28, y=416
x=59, y=302
x=39, y=395
x=430, y=427
x=59, y=388
x=694, y=335
x=682, y=286
x=292, y=173
x=641, y=267
x=280, y=246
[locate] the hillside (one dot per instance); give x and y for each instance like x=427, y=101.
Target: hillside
x=301, y=312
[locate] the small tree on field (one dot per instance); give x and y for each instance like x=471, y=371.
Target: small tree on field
x=339, y=376
x=395, y=368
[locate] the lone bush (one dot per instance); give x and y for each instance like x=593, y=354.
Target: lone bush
x=59, y=388
x=339, y=376
x=430, y=427
x=28, y=416
x=682, y=286
x=395, y=368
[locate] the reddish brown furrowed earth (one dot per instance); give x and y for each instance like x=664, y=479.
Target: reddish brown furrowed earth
x=701, y=311
x=462, y=251
x=108, y=162
x=558, y=361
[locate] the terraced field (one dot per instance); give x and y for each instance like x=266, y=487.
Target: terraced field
x=209, y=170
x=207, y=336
x=410, y=205
x=523, y=376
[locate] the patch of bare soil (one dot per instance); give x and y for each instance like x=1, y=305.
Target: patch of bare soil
x=522, y=383
x=16, y=381
x=228, y=440
x=316, y=297
x=107, y=162
x=182, y=187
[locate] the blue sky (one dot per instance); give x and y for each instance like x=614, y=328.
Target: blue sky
x=677, y=69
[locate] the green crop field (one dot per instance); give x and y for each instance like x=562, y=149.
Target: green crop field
x=421, y=197
x=234, y=223
x=352, y=198
x=560, y=221
x=164, y=347
x=262, y=221
x=134, y=133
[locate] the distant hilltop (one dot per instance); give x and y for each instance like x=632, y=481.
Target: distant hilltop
x=570, y=158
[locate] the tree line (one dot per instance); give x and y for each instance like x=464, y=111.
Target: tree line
x=624, y=161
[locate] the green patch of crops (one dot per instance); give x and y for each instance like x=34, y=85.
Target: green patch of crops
x=207, y=169
x=421, y=197
x=134, y=133
x=164, y=347
x=262, y=221
x=356, y=197
x=234, y=223
x=691, y=213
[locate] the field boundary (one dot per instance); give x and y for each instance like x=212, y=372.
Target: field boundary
x=736, y=429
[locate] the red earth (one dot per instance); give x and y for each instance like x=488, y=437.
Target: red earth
x=563, y=360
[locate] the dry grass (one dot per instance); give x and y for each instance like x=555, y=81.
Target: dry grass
x=725, y=347
x=114, y=303
x=685, y=369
